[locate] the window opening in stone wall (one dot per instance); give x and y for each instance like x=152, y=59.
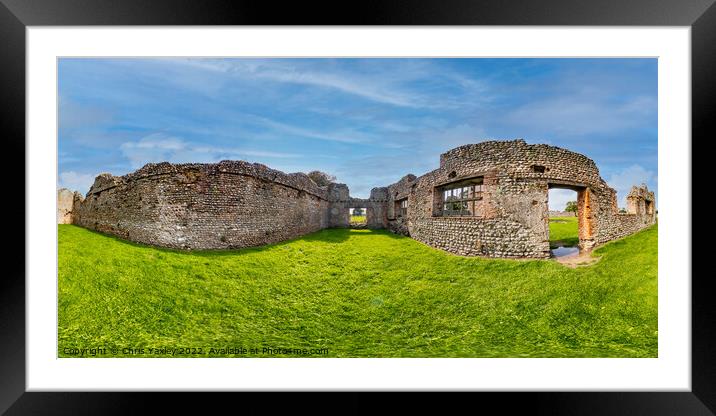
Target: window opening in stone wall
x=461, y=198
x=401, y=207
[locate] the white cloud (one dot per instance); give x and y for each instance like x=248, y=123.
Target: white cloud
x=361, y=87
x=342, y=136
x=160, y=147
x=558, y=198
x=623, y=180
x=76, y=181
x=381, y=86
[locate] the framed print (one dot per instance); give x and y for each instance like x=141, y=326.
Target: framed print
x=451, y=198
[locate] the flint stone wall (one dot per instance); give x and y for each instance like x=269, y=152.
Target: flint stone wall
x=230, y=204
x=376, y=213
x=234, y=204
x=513, y=216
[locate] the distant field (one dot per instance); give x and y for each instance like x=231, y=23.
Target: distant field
x=358, y=218
x=563, y=231
x=353, y=293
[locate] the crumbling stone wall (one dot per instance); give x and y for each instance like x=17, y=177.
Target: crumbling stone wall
x=230, y=204
x=235, y=204
x=65, y=203
x=376, y=216
x=512, y=218
x=641, y=213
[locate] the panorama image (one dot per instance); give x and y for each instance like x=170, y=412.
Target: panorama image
x=357, y=207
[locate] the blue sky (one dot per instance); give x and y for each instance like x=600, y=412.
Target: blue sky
x=367, y=121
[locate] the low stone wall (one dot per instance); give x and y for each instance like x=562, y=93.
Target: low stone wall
x=557, y=214
x=622, y=225
x=469, y=237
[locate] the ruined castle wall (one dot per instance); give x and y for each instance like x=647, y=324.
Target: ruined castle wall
x=513, y=216
x=617, y=225
x=509, y=224
x=205, y=206
x=341, y=202
x=622, y=225
x=235, y=204
x=65, y=201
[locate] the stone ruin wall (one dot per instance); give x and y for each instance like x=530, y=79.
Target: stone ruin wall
x=230, y=204
x=234, y=204
x=341, y=202
x=513, y=218
x=622, y=224
x=65, y=203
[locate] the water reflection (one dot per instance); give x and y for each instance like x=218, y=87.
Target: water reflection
x=565, y=251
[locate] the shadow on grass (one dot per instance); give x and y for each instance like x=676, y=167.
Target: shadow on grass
x=328, y=235
x=338, y=235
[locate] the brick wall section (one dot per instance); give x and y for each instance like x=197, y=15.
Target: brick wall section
x=235, y=204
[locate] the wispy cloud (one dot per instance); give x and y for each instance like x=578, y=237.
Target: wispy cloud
x=622, y=181
x=558, y=198
x=159, y=147
x=369, y=121
x=379, y=86
x=75, y=181
x=340, y=135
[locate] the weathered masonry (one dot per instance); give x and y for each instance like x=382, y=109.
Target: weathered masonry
x=486, y=199
x=491, y=199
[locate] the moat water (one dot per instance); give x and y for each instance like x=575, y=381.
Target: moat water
x=565, y=251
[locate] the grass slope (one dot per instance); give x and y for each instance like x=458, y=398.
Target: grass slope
x=563, y=231
x=358, y=293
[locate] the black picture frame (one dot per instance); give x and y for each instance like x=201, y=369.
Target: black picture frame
x=16, y=15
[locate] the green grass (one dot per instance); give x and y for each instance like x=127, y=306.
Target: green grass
x=357, y=219
x=357, y=293
x=563, y=231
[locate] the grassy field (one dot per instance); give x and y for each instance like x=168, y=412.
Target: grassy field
x=563, y=231
x=358, y=219
x=352, y=293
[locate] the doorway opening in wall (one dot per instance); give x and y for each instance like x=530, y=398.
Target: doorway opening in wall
x=358, y=216
x=649, y=207
x=563, y=229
